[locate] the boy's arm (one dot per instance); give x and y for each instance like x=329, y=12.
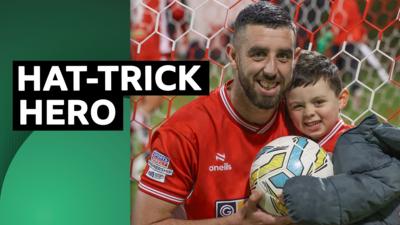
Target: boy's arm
x=343, y=198
x=390, y=215
x=368, y=181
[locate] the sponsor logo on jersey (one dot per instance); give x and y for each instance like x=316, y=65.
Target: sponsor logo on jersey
x=224, y=167
x=159, y=159
x=228, y=207
x=220, y=157
x=221, y=167
x=158, y=167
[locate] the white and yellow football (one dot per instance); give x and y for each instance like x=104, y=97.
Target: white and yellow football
x=281, y=159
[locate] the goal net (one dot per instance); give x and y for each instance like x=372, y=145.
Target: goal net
x=360, y=36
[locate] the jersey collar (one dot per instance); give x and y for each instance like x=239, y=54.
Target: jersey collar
x=332, y=133
x=235, y=115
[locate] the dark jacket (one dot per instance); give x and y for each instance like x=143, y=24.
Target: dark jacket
x=366, y=186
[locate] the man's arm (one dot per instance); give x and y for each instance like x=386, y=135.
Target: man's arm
x=150, y=210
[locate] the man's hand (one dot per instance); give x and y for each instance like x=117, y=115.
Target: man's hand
x=252, y=214
x=150, y=210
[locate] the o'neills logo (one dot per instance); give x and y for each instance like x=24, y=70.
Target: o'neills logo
x=224, y=167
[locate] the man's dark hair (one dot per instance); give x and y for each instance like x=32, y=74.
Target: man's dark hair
x=263, y=13
x=311, y=67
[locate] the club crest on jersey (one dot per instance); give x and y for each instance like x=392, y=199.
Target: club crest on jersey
x=227, y=208
x=158, y=167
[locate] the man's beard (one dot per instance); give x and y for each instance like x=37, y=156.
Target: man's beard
x=262, y=102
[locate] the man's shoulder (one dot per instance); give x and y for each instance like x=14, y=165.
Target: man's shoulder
x=201, y=110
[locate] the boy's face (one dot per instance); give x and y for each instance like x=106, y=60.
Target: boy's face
x=315, y=109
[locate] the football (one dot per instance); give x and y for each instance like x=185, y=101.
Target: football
x=281, y=159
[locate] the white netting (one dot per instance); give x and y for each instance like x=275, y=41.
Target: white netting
x=360, y=36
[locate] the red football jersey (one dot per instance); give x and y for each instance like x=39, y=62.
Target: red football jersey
x=201, y=157
x=329, y=141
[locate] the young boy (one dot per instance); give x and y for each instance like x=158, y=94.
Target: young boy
x=366, y=186
x=315, y=98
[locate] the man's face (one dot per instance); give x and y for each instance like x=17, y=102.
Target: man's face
x=264, y=60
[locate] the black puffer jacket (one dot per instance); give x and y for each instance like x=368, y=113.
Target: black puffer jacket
x=366, y=187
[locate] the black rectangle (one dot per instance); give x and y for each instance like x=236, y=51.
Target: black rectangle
x=201, y=77
x=116, y=124
x=87, y=82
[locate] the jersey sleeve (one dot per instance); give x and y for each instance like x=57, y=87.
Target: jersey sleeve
x=172, y=165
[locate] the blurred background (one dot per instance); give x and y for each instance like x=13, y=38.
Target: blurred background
x=360, y=36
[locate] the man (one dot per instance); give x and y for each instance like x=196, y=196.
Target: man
x=201, y=157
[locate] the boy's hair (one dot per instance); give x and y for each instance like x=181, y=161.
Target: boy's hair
x=263, y=13
x=311, y=67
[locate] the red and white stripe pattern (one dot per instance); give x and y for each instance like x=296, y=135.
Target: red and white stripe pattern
x=236, y=117
x=162, y=195
x=220, y=157
x=332, y=133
